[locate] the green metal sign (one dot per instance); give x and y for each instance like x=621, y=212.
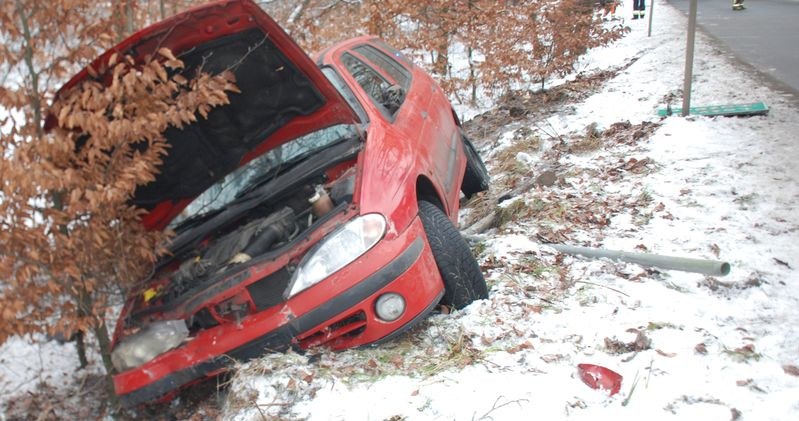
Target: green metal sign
x=755, y=108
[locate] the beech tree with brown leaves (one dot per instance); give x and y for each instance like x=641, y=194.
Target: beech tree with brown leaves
x=41, y=43
x=71, y=162
x=533, y=41
x=512, y=44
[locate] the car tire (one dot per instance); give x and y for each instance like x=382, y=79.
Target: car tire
x=476, y=178
x=463, y=280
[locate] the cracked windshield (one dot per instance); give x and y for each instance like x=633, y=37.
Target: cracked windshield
x=261, y=170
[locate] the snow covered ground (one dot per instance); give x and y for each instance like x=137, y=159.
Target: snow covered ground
x=688, y=346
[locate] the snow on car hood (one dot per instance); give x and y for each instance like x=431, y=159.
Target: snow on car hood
x=283, y=95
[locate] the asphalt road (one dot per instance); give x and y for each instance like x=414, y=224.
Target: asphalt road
x=765, y=34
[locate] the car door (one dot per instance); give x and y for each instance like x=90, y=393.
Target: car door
x=423, y=116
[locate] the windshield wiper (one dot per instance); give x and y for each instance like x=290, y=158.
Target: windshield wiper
x=196, y=219
x=257, y=182
x=242, y=194
x=284, y=166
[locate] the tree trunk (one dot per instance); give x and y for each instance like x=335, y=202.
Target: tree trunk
x=104, y=341
x=470, y=36
x=84, y=309
x=129, y=26
x=442, y=56
x=80, y=347
x=118, y=20
x=472, y=78
x=34, y=96
x=374, y=25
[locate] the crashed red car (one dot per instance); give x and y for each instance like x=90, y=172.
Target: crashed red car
x=317, y=208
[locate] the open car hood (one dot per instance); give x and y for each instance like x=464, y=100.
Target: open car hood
x=283, y=95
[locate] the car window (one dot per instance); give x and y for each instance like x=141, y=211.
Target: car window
x=370, y=80
x=391, y=67
x=396, y=54
x=345, y=91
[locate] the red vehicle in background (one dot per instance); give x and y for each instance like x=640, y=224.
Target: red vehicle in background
x=317, y=208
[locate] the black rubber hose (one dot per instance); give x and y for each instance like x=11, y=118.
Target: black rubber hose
x=263, y=241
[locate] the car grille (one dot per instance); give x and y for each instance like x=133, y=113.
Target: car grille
x=348, y=327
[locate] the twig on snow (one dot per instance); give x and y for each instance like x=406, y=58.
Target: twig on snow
x=604, y=286
x=552, y=133
x=632, y=389
x=550, y=302
x=258, y=407
x=495, y=407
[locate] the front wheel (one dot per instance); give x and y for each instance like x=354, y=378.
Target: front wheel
x=463, y=280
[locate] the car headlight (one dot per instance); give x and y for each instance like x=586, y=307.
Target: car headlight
x=148, y=343
x=337, y=250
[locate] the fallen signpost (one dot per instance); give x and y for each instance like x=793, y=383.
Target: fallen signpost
x=685, y=264
x=727, y=110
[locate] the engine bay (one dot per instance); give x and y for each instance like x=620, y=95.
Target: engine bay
x=262, y=233
x=268, y=228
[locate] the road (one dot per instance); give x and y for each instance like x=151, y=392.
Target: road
x=765, y=34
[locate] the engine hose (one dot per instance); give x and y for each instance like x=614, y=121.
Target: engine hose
x=264, y=241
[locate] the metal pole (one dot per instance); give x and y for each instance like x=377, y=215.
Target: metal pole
x=689, y=60
x=651, y=11
x=685, y=264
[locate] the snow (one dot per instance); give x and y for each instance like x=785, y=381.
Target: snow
x=24, y=363
x=716, y=188
x=725, y=184
x=41, y=374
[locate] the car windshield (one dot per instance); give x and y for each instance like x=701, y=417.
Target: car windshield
x=261, y=170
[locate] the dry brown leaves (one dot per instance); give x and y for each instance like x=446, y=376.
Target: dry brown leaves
x=641, y=343
x=69, y=228
x=791, y=369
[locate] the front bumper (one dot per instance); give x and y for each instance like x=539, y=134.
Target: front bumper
x=409, y=270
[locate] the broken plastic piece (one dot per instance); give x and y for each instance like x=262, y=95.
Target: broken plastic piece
x=598, y=377
x=240, y=258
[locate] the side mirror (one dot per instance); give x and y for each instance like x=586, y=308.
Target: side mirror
x=392, y=97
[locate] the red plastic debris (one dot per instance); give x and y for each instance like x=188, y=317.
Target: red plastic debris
x=598, y=377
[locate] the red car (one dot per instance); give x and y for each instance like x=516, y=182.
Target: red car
x=317, y=208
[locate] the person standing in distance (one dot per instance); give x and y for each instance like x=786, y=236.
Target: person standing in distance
x=639, y=9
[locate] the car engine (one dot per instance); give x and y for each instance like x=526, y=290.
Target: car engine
x=262, y=232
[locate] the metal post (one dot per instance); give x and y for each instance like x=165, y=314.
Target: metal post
x=651, y=11
x=685, y=264
x=689, y=60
